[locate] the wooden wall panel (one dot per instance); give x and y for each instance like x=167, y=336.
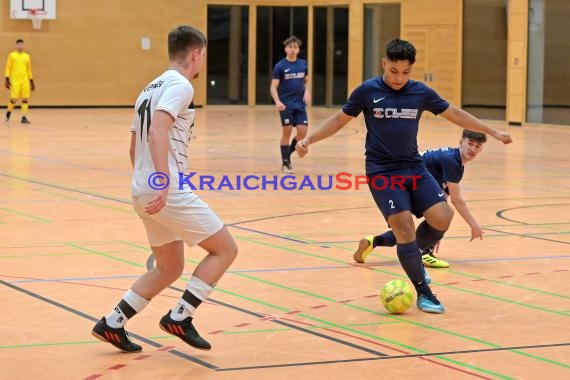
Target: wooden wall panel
x=517, y=61
x=91, y=54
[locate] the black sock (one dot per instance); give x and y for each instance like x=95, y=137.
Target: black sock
x=427, y=236
x=411, y=260
x=387, y=239
x=293, y=145
x=285, y=154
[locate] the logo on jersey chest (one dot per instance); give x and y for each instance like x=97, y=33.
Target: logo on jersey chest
x=294, y=75
x=395, y=113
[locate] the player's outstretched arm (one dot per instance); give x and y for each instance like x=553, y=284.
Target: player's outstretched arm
x=461, y=207
x=328, y=128
x=466, y=120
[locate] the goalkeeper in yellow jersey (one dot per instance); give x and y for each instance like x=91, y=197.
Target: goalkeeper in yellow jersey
x=19, y=79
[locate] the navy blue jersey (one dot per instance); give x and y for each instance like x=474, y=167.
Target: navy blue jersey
x=392, y=119
x=291, y=77
x=445, y=165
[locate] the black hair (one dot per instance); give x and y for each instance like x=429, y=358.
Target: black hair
x=401, y=50
x=182, y=39
x=292, y=40
x=19, y=41
x=476, y=136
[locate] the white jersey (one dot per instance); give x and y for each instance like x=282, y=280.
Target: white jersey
x=171, y=92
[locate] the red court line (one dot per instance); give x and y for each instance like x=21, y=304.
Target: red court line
x=391, y=348
x=94, y=376
x=117, y=367
x=94, y=286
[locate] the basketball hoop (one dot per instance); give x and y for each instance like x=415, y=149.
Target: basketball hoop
x=36, y=16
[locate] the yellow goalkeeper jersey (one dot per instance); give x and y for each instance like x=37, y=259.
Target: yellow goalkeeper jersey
x=19, y=67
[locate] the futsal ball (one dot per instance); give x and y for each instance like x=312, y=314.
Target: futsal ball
x=397, y=296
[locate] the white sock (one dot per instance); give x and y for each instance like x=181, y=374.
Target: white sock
x=184, y=309
x=130, y=304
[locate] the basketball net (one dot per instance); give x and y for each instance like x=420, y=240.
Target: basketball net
x=36, y=17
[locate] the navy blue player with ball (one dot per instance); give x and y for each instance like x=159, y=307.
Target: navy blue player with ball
x=392, y=105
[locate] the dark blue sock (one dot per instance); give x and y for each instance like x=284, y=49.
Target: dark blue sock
x=293, y=145
x=387, y=239
x=411, y=260
x=285, y=154
x=427, y=236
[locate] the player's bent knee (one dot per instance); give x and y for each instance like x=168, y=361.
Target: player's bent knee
x=404, y=230
x=221, y=244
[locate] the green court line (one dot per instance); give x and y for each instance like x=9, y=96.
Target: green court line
x=99, y=253
x=90, y=202
x=94, y=341
x=256, y=331
x=362, y=333
x=43, y=220
x=43, y=255
x=48, y=344
x=341, y=327
x=358, y=332
x=60, y=187
x=142, y=247
x=380, y=314
x=241, y=331
x=87, y=193
x=468, y=275
x=62, y=243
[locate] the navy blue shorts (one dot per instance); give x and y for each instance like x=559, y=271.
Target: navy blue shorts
x=408, y=189
x=293, y=117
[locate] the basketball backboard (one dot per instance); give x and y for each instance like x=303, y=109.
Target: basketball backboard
x=20, y=9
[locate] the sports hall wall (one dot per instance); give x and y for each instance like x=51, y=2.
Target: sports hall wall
x=91, y=54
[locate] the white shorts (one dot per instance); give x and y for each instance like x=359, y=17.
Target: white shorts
x=185, y=217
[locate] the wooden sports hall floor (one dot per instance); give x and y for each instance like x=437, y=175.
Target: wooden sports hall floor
x=293, y=305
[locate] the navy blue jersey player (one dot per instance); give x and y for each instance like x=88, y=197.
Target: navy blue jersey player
x=289, y=90
x=447, y=166
x=392, y=106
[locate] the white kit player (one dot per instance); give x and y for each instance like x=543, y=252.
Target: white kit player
x=172, y=215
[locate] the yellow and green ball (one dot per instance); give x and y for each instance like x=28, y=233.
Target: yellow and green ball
x=397, y=296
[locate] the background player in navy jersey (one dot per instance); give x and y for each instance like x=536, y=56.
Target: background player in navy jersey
x=290, y=92
x=392, y=105
x=447, y=167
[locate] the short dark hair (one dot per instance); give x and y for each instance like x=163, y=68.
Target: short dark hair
x=19, y=41
x=292, y=40
x=400, y=50
x=182, y=39
x=476, y=136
